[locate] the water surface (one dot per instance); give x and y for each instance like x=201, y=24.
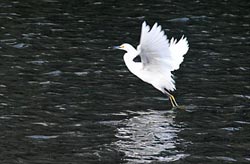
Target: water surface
x=65, y=97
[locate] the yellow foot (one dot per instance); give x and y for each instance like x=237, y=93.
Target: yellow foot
x=181, y=107
x=174, y=103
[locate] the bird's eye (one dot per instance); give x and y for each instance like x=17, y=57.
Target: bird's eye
x=122, y=46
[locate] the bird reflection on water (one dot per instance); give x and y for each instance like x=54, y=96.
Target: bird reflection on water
x=151, y=135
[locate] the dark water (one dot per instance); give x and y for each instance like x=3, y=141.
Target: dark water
x=66, y=98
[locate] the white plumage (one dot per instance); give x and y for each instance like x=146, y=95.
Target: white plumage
x=159, y=57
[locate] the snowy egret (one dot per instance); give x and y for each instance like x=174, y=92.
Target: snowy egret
x=157, y=58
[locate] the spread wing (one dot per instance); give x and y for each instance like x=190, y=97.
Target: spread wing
x=157, y=53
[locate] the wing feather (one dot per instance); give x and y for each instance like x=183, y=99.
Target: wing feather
x=157, y=53
x=178, y=50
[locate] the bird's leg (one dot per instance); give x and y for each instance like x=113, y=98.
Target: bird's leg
x=173, y=105
x=172, y=100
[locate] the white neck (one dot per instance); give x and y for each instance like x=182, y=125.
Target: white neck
x=128, y=57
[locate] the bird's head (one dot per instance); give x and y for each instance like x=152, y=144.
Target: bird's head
x=126, y=47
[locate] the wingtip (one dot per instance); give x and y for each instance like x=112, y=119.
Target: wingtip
x=185, y=39
x=156, y=24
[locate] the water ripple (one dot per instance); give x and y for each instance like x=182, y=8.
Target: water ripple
x=152, y=135
x=68, y=98
x=41, y=137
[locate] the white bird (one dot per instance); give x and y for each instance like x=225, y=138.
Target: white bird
x=158, y=57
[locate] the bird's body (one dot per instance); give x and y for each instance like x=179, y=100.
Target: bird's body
x=158, y=58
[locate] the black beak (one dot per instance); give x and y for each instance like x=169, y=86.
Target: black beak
x=116, y=47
